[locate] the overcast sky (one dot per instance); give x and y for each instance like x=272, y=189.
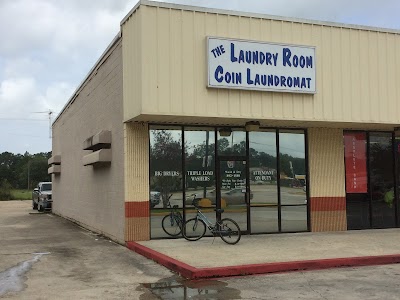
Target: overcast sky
x=48, y=47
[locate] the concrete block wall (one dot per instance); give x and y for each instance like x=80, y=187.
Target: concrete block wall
x=89, y=195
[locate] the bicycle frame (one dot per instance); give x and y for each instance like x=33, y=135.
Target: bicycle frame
x=227, y=229
x=177, y=216
x=214, y=228
x=201, y=216
x=173, y=222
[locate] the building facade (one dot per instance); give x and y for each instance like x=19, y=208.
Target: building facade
x=289, y=125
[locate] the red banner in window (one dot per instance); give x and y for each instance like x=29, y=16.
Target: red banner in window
x=356, y=162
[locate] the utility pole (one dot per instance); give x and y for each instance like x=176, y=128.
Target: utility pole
x=29, y=164
x=49, y=112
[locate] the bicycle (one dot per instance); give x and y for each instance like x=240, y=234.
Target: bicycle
x=195, y=228
x=173, y=222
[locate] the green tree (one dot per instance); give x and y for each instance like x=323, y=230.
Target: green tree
x=8, y=163
x=38, y=168
x=5, y=190
x=16, y=168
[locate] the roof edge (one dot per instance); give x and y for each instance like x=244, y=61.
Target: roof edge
x=130, y=13
x=76, y=92
x=255, y=15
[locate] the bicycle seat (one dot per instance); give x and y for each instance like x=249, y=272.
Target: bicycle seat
x=219, y=210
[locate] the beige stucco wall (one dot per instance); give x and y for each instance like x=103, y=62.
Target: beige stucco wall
x=133, y=63
x=326, y=162
x=137, y=190
x=327, y=196
x=93, y=196
x=357, y=71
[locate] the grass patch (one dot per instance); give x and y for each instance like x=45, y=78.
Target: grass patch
x=21, y=195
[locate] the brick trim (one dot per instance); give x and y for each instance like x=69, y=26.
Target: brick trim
x=137, y=209
x=327, y=203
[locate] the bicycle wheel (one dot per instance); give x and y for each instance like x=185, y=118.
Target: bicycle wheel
x=229, y=231
x=194, y=229
x=172, y=224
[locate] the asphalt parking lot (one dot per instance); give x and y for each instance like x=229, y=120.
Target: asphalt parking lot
x=43, y=256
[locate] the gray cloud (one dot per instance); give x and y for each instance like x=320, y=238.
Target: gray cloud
x=50, y=47
x=372, y=12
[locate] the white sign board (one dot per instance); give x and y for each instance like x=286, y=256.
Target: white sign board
x=238, y=64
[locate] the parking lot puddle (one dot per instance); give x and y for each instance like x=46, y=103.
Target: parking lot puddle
x=178, y=288
x=12, y=279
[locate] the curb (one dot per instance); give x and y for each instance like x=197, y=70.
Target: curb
x=175, y=265
x=191, y=272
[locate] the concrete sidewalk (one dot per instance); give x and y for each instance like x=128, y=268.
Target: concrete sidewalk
x=258, y=254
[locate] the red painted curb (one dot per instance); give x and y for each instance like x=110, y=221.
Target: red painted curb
x=291, y=266
x=172, y=264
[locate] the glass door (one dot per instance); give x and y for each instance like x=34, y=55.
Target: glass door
x=232, y=189
x=381, y=180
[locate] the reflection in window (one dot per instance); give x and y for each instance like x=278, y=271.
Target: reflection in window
x=293, y=181
x=165, y=175
x=264, y=219
x=263, y=182
x=169, y=181
x=263, y=171
x=381, y=180
x=200, y=171
x=357, y=198
x=233, y=190
x=200, y=165
x=265, y=209
x=375, y=207
x=292, y=167
x=234, y=144
x=397, y=180
x=294, y=218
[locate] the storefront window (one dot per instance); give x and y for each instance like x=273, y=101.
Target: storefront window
x=185, y=163
x=200, y=170
x=234, y=144
x=292, y=167
x=165, y=175
x=397, y=168
x=357, y=197
x=263, y=182
x=381, y=180
x=293, y=196
x=370, y=192
x=294, y=218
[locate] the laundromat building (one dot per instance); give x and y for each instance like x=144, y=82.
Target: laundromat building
x=290, y=125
